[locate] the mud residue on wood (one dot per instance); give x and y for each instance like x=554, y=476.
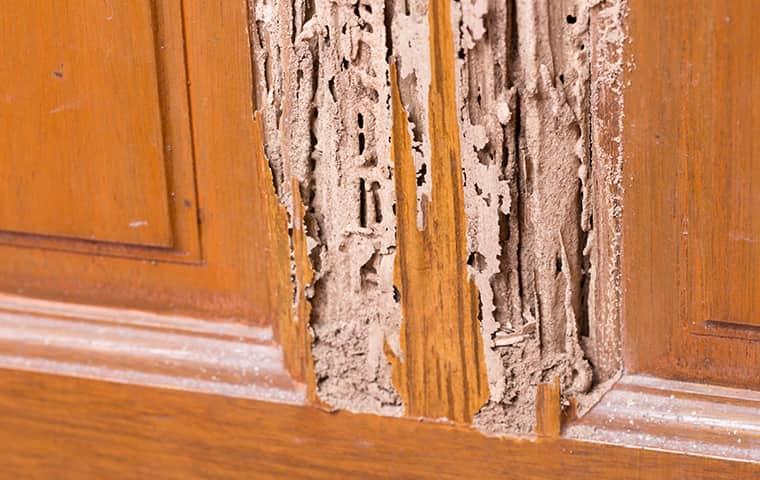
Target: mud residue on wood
x=287, y=307
x=322, y=79
x=440, y=371
x=536, y=248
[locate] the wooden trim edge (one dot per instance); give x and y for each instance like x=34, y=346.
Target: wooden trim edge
x=675, y=416
x=144, y=349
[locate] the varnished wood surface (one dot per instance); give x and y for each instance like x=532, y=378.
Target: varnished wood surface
x=82, y=190
x=690, y=173
x=59, y=427
x=548, y=410
x=721, y=116
x=441, y=370
x=207, y=82
x=82, y=152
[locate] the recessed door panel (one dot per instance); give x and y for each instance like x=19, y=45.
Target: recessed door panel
x=80, y=122
x=723, y=158
x=691, y=223
x=163, y=213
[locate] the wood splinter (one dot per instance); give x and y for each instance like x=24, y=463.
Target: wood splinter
x=548, y=409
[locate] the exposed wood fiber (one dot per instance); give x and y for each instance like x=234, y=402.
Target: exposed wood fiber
x=290, y=317
x=322, y=77
x=441, y=371
x=502, y=229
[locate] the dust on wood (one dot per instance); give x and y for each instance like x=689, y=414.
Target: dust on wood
x=291, y=319
x=441, y=370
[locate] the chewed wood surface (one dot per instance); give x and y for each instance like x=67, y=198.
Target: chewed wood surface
x=441, y=371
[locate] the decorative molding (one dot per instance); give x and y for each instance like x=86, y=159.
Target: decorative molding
x=133, y=347
x=669, y=415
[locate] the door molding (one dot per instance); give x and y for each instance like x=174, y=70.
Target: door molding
x=124, y=346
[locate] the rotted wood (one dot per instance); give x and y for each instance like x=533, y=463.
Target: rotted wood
x=291, y=321
x=441, y=370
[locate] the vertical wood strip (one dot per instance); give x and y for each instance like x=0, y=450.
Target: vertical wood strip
x=291, y=321
x=548, y=411
x=441, y=370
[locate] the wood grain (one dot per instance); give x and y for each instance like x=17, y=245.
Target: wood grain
x=126, y=431
x=548, y=409
x=604, y=348
x=441, y=370
x=227, y=280
x=101, y=181
x=722, y=163
x=80, y=122
x=136, y=347
x=689, y=171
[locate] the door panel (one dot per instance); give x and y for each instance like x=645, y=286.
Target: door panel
x=723, y=159
x=151, y=199
x=95, y=133
x=80, y=122
x=691, y=256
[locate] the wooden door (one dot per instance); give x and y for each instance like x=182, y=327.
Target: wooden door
x=145, y=322
x=125, y=176
x=691, y=290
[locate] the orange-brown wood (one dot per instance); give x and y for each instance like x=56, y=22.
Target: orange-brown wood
x=300, y=345
x=441, y=370
x=206, y=45
x=98, y=151
x=243, y=273
x=689, y=262
x=722, y=169
x=58, y=427
x=548, y=409
x=80, y=122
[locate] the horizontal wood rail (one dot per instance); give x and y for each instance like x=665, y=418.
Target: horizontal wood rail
x=63, y=427
x=649, y=412
x=82, y=381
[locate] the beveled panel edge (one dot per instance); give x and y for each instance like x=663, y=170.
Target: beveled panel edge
x=132, y=347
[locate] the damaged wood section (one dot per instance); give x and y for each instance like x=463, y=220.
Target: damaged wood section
x=321, y=81
x=473, y=172
x=290, y=317
x=441, y=370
